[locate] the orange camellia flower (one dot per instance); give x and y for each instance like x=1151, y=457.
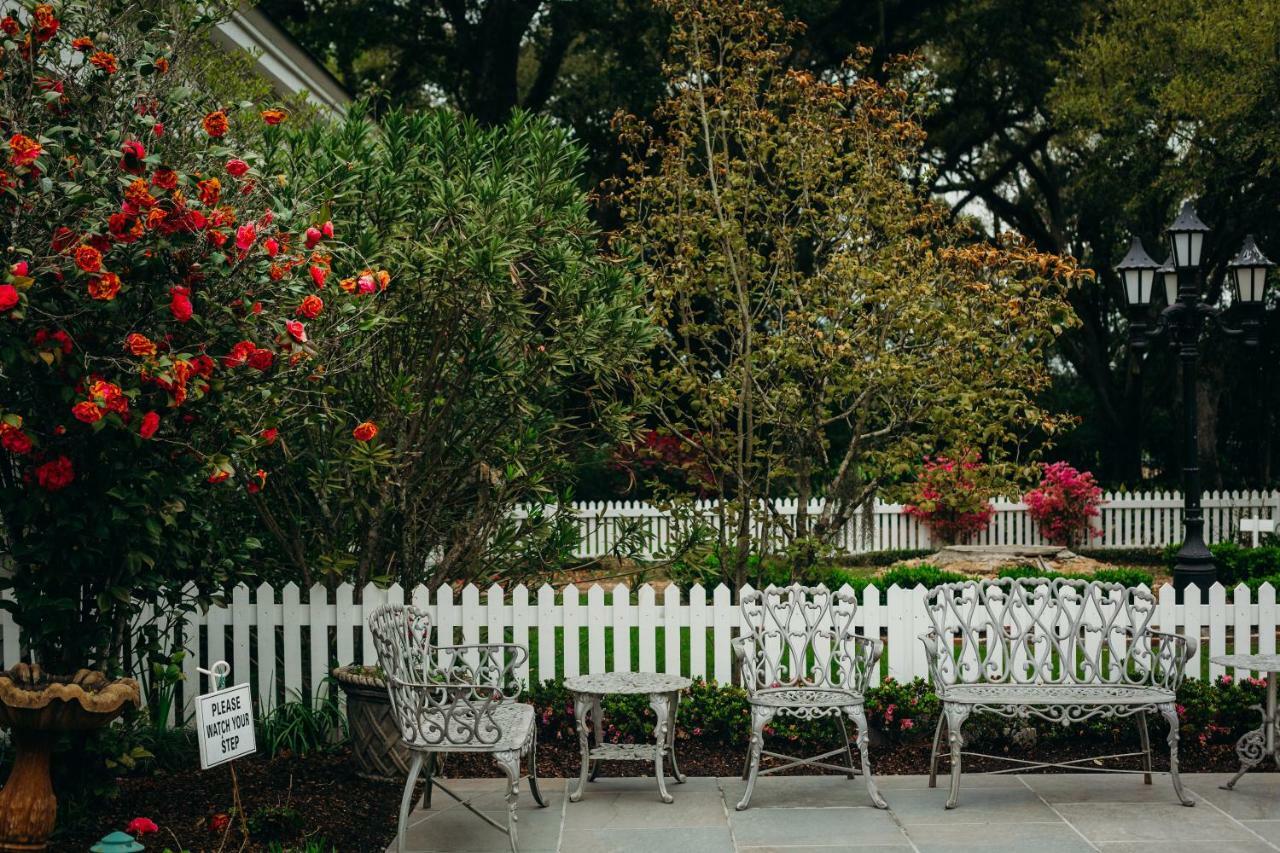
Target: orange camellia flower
x=87, y=411
x=140, y=345
x=104, y=287
x=165, y=179
x=366, y=431
x=109, y=395
x=274, y=116
x=105, y=62
x=84, y=44
x=23, y=150
x=215, y=124
x=88, y=258
x=311, y=307
x=162, y=65
x=46, y=25
x=209, y=190
x=137, y=195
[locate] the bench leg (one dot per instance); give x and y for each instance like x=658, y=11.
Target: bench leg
x=956, y=715
x=933, y=756
x=1170, y=712
x=760, y=718
x=848, y=747
x=1144, y=738
x=406, y=801
x=859, y=717
x=510, y=764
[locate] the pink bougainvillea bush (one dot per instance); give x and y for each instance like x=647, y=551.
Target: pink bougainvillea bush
x=1064, y=504
x=163, y=315
x=952, y=497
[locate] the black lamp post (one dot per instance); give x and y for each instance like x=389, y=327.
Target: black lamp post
x=1184, y=319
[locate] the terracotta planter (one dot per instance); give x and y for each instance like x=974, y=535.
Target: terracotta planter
x=375, y=737
x=38, y=707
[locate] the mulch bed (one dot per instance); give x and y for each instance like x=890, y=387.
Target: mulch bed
x=353, y=814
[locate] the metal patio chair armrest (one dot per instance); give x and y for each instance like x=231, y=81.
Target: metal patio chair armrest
x=1169, y=660
x=866, y=652
x=744, y=654
x=933, y=656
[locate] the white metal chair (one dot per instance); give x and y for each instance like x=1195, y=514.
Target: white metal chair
x=800, y=657
x=454, y=699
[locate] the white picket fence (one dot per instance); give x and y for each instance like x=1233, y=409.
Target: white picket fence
x=1128, y=520
x=285, y=646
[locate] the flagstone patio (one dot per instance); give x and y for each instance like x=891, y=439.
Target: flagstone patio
x=1061, y=813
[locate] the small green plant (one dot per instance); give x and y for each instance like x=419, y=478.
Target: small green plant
x=276, y=823
x=909, y=577
x=1125, y=575
x=301, y=728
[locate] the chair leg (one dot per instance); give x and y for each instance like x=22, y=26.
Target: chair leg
x=510, y=764
x=406, y=801
x=848, y=747
x=956, y=715
x=1170, y=713
x=859, y=717
x=429, y=770
x=1144, y=740
x=760, y=718
x=933, y=756
x=533, y=773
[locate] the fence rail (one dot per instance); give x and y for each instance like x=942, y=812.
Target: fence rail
x=285, y=646
x=1128, y=520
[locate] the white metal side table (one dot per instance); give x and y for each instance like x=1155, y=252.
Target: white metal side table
x=1263, y=741
x=664, y=698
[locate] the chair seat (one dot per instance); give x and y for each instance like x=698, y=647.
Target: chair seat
x=504, y=727
x=804, y=697
x=1053, y=694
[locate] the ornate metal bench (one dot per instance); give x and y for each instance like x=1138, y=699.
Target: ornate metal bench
x=799, y=656
x=454, y=699
x=1061, y=650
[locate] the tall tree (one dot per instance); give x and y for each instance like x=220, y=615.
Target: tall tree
x=825, y=324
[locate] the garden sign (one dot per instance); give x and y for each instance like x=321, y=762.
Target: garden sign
x=224, y=720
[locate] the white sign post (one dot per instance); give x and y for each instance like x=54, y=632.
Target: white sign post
x=224, y=720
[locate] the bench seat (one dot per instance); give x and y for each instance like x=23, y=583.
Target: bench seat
x=1053, y=694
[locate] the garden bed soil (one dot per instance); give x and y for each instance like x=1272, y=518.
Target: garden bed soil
x=353, y=814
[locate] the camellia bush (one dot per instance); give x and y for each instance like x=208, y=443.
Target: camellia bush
x=952, y=496
x=161, y=317
x=1065, y=504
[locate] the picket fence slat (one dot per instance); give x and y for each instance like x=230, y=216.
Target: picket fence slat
x=623, y=630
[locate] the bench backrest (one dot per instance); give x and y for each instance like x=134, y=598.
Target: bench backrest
x=801, y=636
x=1039, y=631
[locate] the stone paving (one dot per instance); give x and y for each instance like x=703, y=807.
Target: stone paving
x=1061, y=813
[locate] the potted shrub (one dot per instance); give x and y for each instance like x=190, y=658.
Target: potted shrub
x=952, y=496
x=158, y=296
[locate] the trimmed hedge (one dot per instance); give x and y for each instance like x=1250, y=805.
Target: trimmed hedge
x=1236, y=563
x=1126, y=575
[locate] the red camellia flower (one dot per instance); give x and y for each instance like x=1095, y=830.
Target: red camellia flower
x=21, y=268
x=165, y=179
x=150, y=423
x=314, y=236
x=88, y=258
x=215, y=124
x=296, y=330
x=124, y=227
x=141, y=826
x=272, y=245
x=245, y=236
x=261, y=359
x=180, y=303
x=327, y=229
x=318, y=275
x=23, y=150
x=219, y=476
x=366, y=431
x=219, y=822
x=56, y=475
x=210, y=190
x=157, y=129
x=239, y=354
x=10, y=25
x=87, y=411
x=105, y=62
x=14, y=439
x=270, y=434
x=45, y=24
x=237, y=168
x=274, y=116
x=104, y=287
x=311, y=307
x=257, y=482
x=132, y=153
x=8, y=297
x=140, y=345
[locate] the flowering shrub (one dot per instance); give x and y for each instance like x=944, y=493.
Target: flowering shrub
x=952, y=497
x=1064, y=503
x=162, y=305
